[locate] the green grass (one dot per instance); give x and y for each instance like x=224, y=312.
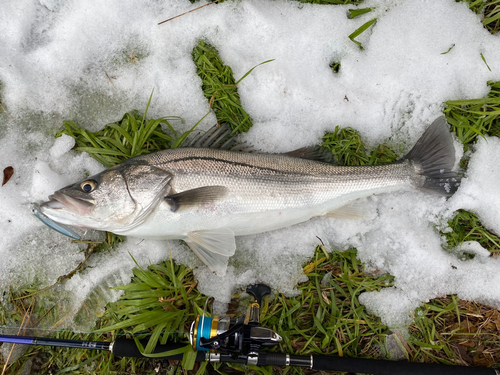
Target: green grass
x=348, y=148
x=133, y=135
x=335, y=65
x=2, y=108
x=490, y=10
x=220, y=88
x=360, y=30
x=326, y=317
x=474, y=118
x=333, y=2
x=470, y=119
x=162, y=299
x=467, y=227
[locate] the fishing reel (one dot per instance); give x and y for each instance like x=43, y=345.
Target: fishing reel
x=239, y=338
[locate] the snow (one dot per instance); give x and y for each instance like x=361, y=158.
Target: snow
x=54, y=66
x=479, y=192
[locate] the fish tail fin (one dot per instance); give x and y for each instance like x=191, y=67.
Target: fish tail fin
x=433, y=157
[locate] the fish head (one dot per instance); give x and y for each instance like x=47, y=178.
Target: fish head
x=114, y=200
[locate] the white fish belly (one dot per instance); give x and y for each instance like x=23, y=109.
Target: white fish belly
x=165, y=224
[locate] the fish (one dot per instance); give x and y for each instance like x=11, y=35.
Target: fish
x=216, y=189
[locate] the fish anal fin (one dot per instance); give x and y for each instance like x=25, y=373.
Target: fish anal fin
x=213, y=247
x=196, y=197
x=355, y=210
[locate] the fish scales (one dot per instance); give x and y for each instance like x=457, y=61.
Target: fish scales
x=274, y=181
x=207, y=196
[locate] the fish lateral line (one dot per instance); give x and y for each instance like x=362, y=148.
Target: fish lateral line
x=241, y=191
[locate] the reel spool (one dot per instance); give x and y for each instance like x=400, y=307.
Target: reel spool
x=242, y=336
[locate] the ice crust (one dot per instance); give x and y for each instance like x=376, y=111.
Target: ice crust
x=92, y=61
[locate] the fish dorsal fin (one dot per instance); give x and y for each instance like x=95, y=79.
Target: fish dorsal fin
x=195, y=198
x=219, y=137
x=352, y=210
x=316, y=153
x=213, y=247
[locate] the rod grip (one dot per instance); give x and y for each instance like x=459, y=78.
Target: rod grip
x=384, y=367
x=271, y=359
x=128, y=348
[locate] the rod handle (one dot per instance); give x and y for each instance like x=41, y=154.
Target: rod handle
x=384, y=367
x=128, y=348
x=280, y=359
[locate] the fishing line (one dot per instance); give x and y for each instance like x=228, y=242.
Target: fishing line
x=34, y=329
x=189, y=11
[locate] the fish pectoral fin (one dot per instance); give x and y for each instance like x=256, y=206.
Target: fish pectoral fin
x=353, y=210
x=194, y=198
x=213, y=247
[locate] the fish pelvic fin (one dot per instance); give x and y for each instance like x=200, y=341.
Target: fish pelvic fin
x=213, y=247
x=433, y=157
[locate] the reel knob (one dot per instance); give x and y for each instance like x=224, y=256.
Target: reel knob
x=258, y=291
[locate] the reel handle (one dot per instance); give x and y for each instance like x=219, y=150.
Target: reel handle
x=258, y=291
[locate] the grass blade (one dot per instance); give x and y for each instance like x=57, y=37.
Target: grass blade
x=360, y=30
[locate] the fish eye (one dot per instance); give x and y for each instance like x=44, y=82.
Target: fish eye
x=88, y=186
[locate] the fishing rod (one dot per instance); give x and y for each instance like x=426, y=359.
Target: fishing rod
x=242, y=340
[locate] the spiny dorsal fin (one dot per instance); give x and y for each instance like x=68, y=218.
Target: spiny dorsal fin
x=195, y=198
x=219, y=137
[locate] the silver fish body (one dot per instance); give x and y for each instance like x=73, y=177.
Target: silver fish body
x=206, y=196
x=259, y=192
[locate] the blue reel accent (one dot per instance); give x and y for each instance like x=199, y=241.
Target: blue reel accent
x=204, y=323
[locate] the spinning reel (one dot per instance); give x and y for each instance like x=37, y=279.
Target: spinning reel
x=239, y=339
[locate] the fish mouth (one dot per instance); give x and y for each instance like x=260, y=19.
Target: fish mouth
x=61, y=228
x=78, y=205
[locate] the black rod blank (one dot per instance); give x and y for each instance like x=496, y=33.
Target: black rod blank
x=384, y=367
